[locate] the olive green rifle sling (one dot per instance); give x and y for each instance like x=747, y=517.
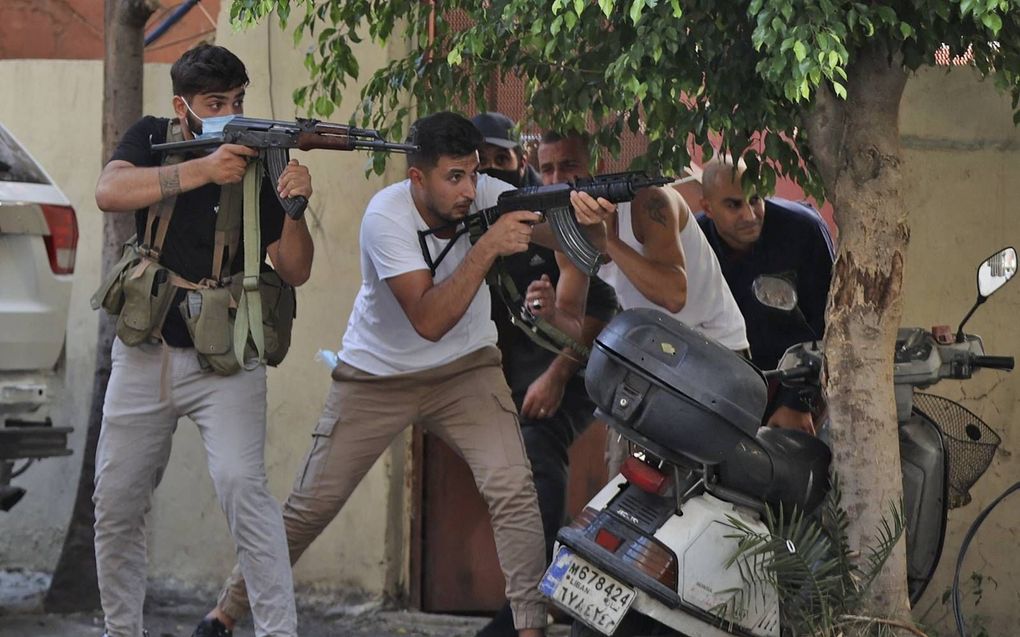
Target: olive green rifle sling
x=249, y=306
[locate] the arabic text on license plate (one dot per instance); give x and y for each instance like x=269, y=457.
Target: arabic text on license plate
x=590, y=595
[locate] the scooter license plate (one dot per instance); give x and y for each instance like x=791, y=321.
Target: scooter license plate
x=586, y=592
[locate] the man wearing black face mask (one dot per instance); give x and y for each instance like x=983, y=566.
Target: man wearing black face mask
x=549, y=394
x=501, y=155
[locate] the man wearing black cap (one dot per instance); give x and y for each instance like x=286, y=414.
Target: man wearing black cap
x=501, y=156
x=549, y=394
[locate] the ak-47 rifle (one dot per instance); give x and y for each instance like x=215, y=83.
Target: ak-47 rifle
x=553, y=202
x=274, y=139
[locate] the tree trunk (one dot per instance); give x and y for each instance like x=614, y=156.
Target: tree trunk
x=857, y=148
x=74, y=586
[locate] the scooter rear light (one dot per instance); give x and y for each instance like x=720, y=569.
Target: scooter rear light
x=62, y=241
x=607, y=540
x=643, y=476
x=654, y=559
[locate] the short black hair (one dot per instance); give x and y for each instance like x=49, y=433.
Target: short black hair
x=440, y=134
x=553, y=137
x=207, y=69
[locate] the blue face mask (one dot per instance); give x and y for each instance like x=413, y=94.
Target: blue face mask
x=210, y=126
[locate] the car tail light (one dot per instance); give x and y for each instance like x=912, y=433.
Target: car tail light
x=643, y=476
x=62, y=241
x=654, y=559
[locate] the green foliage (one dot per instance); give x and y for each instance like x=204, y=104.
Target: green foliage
x=732, y=73
x=808, y=560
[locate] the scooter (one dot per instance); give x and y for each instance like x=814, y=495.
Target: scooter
x=653, y=547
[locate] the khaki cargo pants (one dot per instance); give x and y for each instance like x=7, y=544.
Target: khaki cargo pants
x=467, y=404
x=134, y=447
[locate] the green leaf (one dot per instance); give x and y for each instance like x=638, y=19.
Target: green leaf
x=607, y=6
x=454, y=58
x=839, y=89
x=323, y=106
x=636, y=8
x=799, y=50
x=993, y=22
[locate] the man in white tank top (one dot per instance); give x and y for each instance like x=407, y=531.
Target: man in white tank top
x=660, y=257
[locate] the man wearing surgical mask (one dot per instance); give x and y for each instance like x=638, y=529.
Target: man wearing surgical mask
x=153, y=383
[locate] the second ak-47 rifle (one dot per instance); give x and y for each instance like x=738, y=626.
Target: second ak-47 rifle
x=274, y=139
x=553, y=202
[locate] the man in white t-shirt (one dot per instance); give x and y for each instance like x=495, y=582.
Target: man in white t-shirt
x=420, y=347
x=659, y=256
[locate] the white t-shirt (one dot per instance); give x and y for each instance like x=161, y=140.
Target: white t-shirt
x=710, y=307
x=380, y=338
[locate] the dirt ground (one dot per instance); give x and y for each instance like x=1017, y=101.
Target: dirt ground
x=175, y=615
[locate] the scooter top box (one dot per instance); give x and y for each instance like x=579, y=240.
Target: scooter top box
x=675, y=386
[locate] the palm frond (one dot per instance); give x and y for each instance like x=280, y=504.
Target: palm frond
x=808, y=560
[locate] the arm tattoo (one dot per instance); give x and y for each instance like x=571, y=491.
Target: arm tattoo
x=169, y=181
x=655, y=209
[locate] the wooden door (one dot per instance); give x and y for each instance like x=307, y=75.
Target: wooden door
x=457, y=569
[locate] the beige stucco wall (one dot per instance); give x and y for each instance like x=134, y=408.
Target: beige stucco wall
x=961, y=169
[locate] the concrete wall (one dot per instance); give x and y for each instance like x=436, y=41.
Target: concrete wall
x=961, y=163
x=365, y=549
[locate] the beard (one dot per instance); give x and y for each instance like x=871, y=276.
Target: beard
x=194, y=124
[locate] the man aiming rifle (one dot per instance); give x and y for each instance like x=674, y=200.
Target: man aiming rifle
x=273, y=140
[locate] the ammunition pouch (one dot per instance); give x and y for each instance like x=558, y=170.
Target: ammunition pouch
x=110, y=295
x=210, y=314
x=279, y=308
x=138, y=291
x=148, y=290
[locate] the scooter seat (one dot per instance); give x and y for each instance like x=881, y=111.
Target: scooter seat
x=780, y=466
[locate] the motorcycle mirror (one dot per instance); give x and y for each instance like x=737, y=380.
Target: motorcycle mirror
x=996, y=271
x=993, y=273
x=776, y=292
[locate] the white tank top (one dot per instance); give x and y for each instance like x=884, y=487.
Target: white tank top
x=710, y=306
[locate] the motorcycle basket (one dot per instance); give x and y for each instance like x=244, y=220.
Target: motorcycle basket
x=970, y=443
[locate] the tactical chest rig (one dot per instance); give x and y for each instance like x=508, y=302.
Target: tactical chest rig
x=236, y=322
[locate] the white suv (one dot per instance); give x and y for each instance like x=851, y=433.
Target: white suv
x=38, y=239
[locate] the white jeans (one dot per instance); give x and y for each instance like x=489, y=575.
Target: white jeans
x=134, y=447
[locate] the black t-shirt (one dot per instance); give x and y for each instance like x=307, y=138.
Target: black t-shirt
x=188, y=249
x=523, y=360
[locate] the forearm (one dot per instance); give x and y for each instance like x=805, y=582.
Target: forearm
x=443, y=305
x=294, y=252
x=126, y=188
x=568, y=362
x=662, y=284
